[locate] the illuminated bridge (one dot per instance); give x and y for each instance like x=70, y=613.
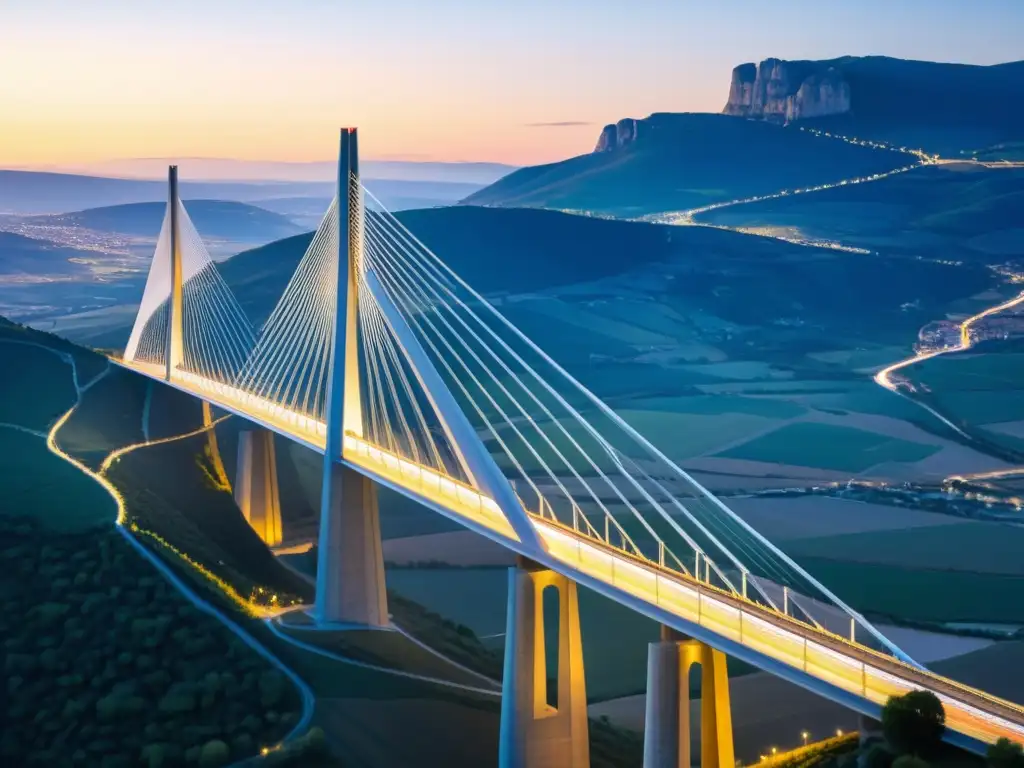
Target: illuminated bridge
x=381, y=358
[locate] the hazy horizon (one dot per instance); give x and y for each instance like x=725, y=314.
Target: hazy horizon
x=459, y=81
x=234, y=169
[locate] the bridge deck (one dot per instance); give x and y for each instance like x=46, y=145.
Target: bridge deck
x=867, y=675
x=829, y=664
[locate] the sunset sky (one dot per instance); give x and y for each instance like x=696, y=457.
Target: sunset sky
x=518, y=82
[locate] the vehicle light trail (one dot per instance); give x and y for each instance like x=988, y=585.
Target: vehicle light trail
x=884, y=376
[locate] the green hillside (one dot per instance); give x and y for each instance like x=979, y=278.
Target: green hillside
x=682, y=161
x=495, y=251
x=956, y=211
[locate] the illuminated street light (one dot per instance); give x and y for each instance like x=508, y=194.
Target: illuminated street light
x=804, y=735
x=839, y=731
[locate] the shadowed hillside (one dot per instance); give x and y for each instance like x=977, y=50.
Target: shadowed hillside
x=39, y=258
x=682, y=161
x=742, y=279
x=214, y=218
x=492, y=250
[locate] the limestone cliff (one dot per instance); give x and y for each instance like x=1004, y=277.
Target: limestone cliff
x=617, y=135
x=787, y=91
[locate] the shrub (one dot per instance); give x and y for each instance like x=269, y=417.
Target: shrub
x=909, y=761
x=914, y=723
x=878, y=756
x=214, y=754
x=1005, y=754
x=316, y=742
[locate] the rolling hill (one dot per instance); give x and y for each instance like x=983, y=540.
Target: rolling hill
x=682, y=161
x=31, y=192
x=742, y=279
x=219, y=219
x=40, y=259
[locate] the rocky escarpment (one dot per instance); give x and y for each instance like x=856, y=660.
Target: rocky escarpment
x=787, y=91
x=617, y=135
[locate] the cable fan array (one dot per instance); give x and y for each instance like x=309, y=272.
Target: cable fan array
x=148, y=341
x=569, y=457
x=217, y=337
x=290, y=362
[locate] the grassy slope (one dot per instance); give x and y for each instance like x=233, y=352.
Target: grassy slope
x=103, y=656
x=684, y=161
x=901, y=212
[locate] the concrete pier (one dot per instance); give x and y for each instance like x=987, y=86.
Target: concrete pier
x=256, y=490
x=350, y=586
x=667, y=718
x=535, y=734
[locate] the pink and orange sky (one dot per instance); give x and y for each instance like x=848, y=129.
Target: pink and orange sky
x=518, y=82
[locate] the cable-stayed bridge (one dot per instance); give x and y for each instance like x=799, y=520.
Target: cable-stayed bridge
x=381, y=358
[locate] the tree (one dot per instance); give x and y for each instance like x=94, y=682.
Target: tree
x=914, y=723
x=909, y=761
x=1005, y=754
x=878, y=756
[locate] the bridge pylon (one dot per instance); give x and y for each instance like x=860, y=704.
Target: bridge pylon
x=535, y=733
x=175, y=352
x=667, y=719
x=350, y=586
x=256, y=489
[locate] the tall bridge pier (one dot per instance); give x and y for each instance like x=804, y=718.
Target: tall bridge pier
x=350, y=586
x=256, y=489
x=535, y=733
x=174, y=354
x=667, y=719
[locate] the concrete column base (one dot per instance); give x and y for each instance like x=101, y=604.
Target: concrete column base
x=533, y=733
x=256, y=490
x=667, y=726
x=350, y=587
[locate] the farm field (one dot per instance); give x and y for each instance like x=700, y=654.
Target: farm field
x=793, y=521
x=931, y=595
x=972, y=547
x=828, y=447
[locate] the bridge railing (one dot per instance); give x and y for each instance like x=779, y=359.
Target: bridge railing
x=847, y=665
x=429, y=483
